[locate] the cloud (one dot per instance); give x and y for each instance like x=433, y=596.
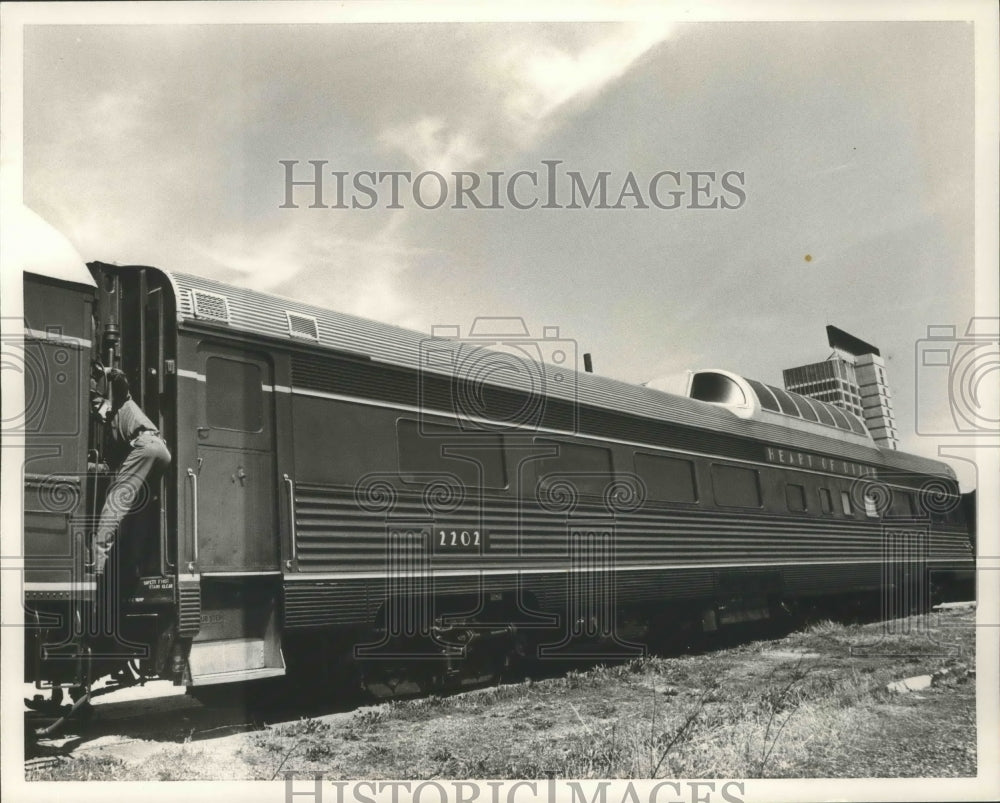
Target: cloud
x=546, y=78
x=353, y=274
x=521, y=91
x=430, y=145
x=118, y=117
x=263, y=262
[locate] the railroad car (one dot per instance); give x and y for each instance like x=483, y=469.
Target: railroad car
x=426, y=509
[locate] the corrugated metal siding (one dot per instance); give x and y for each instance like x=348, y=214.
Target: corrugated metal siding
x=264, y=314
x=534, y=548
x=358, y=601
x=318, y=603
x=335, y=534
x=831, y=579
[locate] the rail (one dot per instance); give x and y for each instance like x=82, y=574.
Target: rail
x=291, y=520
x=194, y=518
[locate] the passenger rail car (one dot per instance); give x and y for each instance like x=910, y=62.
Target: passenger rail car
x=343, y=489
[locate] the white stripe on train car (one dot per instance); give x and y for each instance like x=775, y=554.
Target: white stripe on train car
x=190, y=374
x=304, y=576
x=201, y=378
x=82, y=585
x=56, y=337
x=241, y=574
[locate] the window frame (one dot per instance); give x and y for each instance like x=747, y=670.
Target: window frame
x=549, y=441
x=412, y=476
x=846, y=506
x=802, y=491
x=650, y=496
x=871, y=507
x=909, y=502
x=826, y=501
x=757, y=484
x=211, y=408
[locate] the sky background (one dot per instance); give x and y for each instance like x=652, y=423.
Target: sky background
x=160, y=145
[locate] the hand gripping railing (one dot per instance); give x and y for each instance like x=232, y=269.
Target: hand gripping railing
x=194, y=517
x=291, y=520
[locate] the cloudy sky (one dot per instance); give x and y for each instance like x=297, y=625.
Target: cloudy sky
x=162, y=145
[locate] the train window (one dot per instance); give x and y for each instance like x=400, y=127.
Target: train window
x=871, y=504
x=902, y=503
x=845, y=503
x=587, y=467
x=805, y=410
x=823, y=411
x=795, y=498
x=785, y=401
x=735, y=486
x=428, y=450
x=235, y=398
x=949, y=512
x=825, y=500
x=668, y=479
x=767, y=400
x=839, y=418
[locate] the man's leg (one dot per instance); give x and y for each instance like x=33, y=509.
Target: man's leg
x=149, y=456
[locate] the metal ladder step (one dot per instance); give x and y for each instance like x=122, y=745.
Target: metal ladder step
x=229, y=660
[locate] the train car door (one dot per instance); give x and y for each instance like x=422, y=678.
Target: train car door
x=237, y=521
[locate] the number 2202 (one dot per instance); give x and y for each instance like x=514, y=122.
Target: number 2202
x=459, y=538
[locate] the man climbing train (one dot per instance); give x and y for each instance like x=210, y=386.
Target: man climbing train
x=135, y=449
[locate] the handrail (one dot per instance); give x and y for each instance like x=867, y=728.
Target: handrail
x=291, y=519
x=194, y=517
x=166, y=565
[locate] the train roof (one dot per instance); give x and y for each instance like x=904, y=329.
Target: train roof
x=749, y=398
x=41, y=249
x=512, y=359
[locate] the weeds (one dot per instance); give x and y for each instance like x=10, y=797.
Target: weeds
x=82, y=768
x=589, y=724
x=805, y=706
x=772, y=703
x=178, y=764
x=307, y=738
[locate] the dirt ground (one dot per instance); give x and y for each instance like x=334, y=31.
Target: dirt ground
x=816, y=703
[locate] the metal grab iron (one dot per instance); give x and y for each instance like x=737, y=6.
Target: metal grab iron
x=194, y=518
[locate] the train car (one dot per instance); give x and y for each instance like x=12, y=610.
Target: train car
x=425, y=509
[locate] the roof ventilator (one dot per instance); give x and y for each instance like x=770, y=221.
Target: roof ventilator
x=211, y=306
x=302, y=325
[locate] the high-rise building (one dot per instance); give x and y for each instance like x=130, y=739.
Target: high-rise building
x=833, y=380
x=876, y=399
x=853, y=378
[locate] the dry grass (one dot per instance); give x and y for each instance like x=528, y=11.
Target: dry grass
x=814, y=704
x=735, y=713
x=180, y=764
